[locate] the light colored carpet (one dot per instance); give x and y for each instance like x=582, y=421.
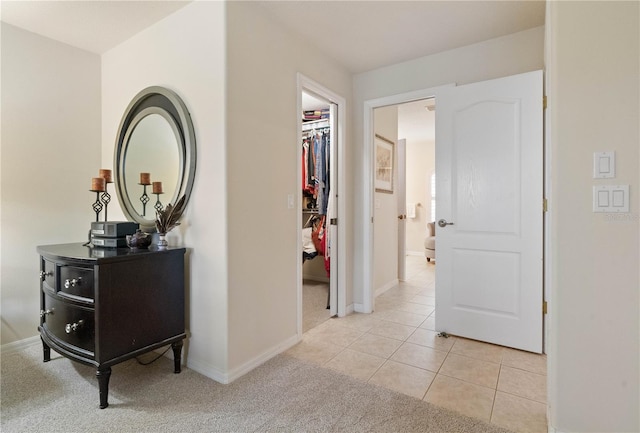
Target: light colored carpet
x=314, y=304
x=283, y=395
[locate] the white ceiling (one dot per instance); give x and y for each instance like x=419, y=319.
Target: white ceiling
x=361, y=35
x=366, y=35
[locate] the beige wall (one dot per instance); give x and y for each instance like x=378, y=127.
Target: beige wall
x=420, y=165
x=508, y=55
x=50, y=151
x=385, y=212
x=593, y=90
x=263, y=60
x=185, y=52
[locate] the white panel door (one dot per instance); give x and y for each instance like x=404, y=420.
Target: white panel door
x=489, y=194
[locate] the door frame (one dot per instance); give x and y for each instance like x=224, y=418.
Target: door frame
x=368, y=222
x=308, y=85
x=402, y=208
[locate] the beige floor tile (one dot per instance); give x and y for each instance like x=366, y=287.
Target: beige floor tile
x=523, y=384
x=376, y=345
x=407, y=287
x=477, y=349
x=471, y=370
x=399, y=293
x=425, y=300
x=392, y=330
x=411, y=307
x=532, y=362
x=519, y=414
x=317, y=352
x=333, y=333
x=469, y=399
x=403, y=318
x=403, y=378
x=419, y=356
x=429, y=338
x=359, y=321
x=386, y=304
x=428, y=291
x=356, y=364
x=429, y=323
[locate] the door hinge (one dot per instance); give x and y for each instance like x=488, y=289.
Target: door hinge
x=544, y=307
x=333, y=221
x=544, y=102
x=545, y=205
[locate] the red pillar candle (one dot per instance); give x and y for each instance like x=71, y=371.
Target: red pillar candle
x=97, y=184
x=145, y=178
x=106, y=174
x=157, y=187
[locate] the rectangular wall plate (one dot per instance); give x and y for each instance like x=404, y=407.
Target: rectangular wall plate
x=604, y=165
x=611, y=198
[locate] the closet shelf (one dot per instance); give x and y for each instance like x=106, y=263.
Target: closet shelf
x=313, y=124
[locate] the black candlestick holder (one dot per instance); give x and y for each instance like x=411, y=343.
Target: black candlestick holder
x=158, y=206
x=144, y=198
x=105, y=198
x=97, y=205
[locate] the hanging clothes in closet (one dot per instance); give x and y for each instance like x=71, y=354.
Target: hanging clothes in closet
x=315, y=183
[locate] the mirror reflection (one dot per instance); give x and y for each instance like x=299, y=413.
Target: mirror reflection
x=152, y=148
x=155, y=143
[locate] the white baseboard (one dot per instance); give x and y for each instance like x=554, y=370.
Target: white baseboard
x=231, y=375
x=350, y=309
x=206, y=370
x=359, y=308
x=414, y=253
x=15, y=346
x=262, y=358
x=380, y=290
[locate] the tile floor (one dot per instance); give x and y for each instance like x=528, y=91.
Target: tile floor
x=397, y=347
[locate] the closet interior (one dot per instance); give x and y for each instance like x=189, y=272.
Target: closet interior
x=316, y=207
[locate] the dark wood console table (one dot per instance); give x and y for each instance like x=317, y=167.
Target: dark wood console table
x=103, y=306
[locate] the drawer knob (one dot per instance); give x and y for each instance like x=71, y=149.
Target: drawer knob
x=45, y=312
x=72, y=282
x=72, y=327
x=44, y=274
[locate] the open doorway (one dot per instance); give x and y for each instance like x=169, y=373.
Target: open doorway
x=321, y=276
x=407, y=130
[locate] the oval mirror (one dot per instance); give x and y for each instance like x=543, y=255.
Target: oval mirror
x=154, y=155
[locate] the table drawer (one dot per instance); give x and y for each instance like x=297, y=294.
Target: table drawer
x=70, y=324
x=76, y=281
x=48, y=273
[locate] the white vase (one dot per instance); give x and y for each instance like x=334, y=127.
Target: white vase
x=162, y=241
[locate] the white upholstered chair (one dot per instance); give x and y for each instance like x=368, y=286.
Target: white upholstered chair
x=430, y=242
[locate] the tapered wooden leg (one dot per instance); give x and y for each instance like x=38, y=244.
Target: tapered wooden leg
x=103, y=376
x=46, y=352
x=177, y=356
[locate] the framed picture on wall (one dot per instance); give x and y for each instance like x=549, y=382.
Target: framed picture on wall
x=384, y=164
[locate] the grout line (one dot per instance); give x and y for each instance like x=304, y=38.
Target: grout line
x=495, y=394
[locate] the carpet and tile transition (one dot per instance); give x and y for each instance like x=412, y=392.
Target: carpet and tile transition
x=284, y=395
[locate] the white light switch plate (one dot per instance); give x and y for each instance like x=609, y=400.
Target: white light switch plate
x=604, y=165
x=611, y=198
